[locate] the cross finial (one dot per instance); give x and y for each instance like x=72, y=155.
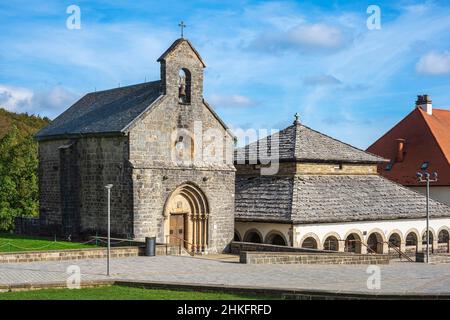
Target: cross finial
x=182, y=26
x=297, y=118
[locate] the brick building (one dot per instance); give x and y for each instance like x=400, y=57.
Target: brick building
x=154, y=142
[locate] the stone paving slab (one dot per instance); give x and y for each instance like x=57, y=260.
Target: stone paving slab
x=396, y=278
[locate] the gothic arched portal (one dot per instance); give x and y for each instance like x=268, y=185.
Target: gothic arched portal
x=186, y=218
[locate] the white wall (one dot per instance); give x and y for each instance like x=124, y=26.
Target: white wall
x=441, y=194
x=384, y=227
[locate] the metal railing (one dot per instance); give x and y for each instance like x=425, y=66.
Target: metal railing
x=357, y=242
x=180, y=245
x=400, y=252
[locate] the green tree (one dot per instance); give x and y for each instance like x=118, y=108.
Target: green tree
x=18, y=177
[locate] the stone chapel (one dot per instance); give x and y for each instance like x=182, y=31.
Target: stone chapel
x=166, y=152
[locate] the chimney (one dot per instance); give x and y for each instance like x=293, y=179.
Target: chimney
x=424, y=102
x=400, y=150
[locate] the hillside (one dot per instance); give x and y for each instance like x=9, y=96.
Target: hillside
x=26, y=124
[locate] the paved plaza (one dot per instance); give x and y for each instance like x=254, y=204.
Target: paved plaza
x=398, y=277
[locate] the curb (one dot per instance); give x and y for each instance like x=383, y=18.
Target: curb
x=281, y=293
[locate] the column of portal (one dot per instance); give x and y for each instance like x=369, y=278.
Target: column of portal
x=200, y=233
x=205, y=232
x=189, y=232
x=194, y=233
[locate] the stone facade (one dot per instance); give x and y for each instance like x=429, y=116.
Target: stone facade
x=177, y=141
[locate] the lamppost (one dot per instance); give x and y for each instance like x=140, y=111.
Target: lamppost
x=108, y=255
x=427, y=179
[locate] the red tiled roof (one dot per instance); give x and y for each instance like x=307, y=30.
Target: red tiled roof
x=427, y=138
x=439, y=124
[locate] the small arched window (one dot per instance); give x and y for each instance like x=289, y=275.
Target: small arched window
x=184, y=86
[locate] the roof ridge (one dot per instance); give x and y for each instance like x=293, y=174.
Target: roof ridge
x=125, y=87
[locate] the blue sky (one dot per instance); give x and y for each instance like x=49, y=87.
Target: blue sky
x=265, y=60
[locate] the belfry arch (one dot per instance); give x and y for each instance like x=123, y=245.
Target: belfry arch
x=186, y=215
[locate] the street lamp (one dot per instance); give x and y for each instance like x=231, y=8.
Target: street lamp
x=108, y=255
x=426, y=177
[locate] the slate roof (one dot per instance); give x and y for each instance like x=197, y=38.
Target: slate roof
x=329, y=198
x=301, y=143
x=263, y=197
x=102, y=112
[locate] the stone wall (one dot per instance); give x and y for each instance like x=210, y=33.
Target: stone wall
x=76, y=254
x=292, y=168
x=72, y=179
x=330, y=168
x=152, y=191
x=239, y=247
x=310, y=258
x=49, y=190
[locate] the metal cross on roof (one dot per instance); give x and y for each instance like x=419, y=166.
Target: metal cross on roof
x=297, y=118
x=182, y=26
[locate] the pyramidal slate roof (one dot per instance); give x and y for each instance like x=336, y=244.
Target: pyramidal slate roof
x=328, y=199
x=103, y=112
x=301, y=143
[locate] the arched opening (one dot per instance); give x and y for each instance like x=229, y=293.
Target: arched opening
x=253, y=236
x=375, y=243
x=275, y=238
x=184, y=86
x=353, y=243
x=309, y=243
x=424, y=238
x=443, y=236
x=395, y=240
x=411, y=239
x=424, y=241
x=186, y=218
x=236, y=237
x=331, y=243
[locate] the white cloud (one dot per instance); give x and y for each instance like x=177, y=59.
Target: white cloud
x=304, y=38
x=46, y=103
x=14, y=98
x=434, y=63
x=322, y=80
x=232, y=101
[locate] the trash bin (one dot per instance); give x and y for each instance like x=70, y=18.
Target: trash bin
x=150, y=246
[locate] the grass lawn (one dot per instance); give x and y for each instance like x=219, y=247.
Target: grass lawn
x=15, y=243
x=116, y=292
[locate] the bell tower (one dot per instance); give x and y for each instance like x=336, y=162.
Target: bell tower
x=182, y=73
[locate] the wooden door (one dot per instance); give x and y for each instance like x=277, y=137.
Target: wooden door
x=176, y=228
